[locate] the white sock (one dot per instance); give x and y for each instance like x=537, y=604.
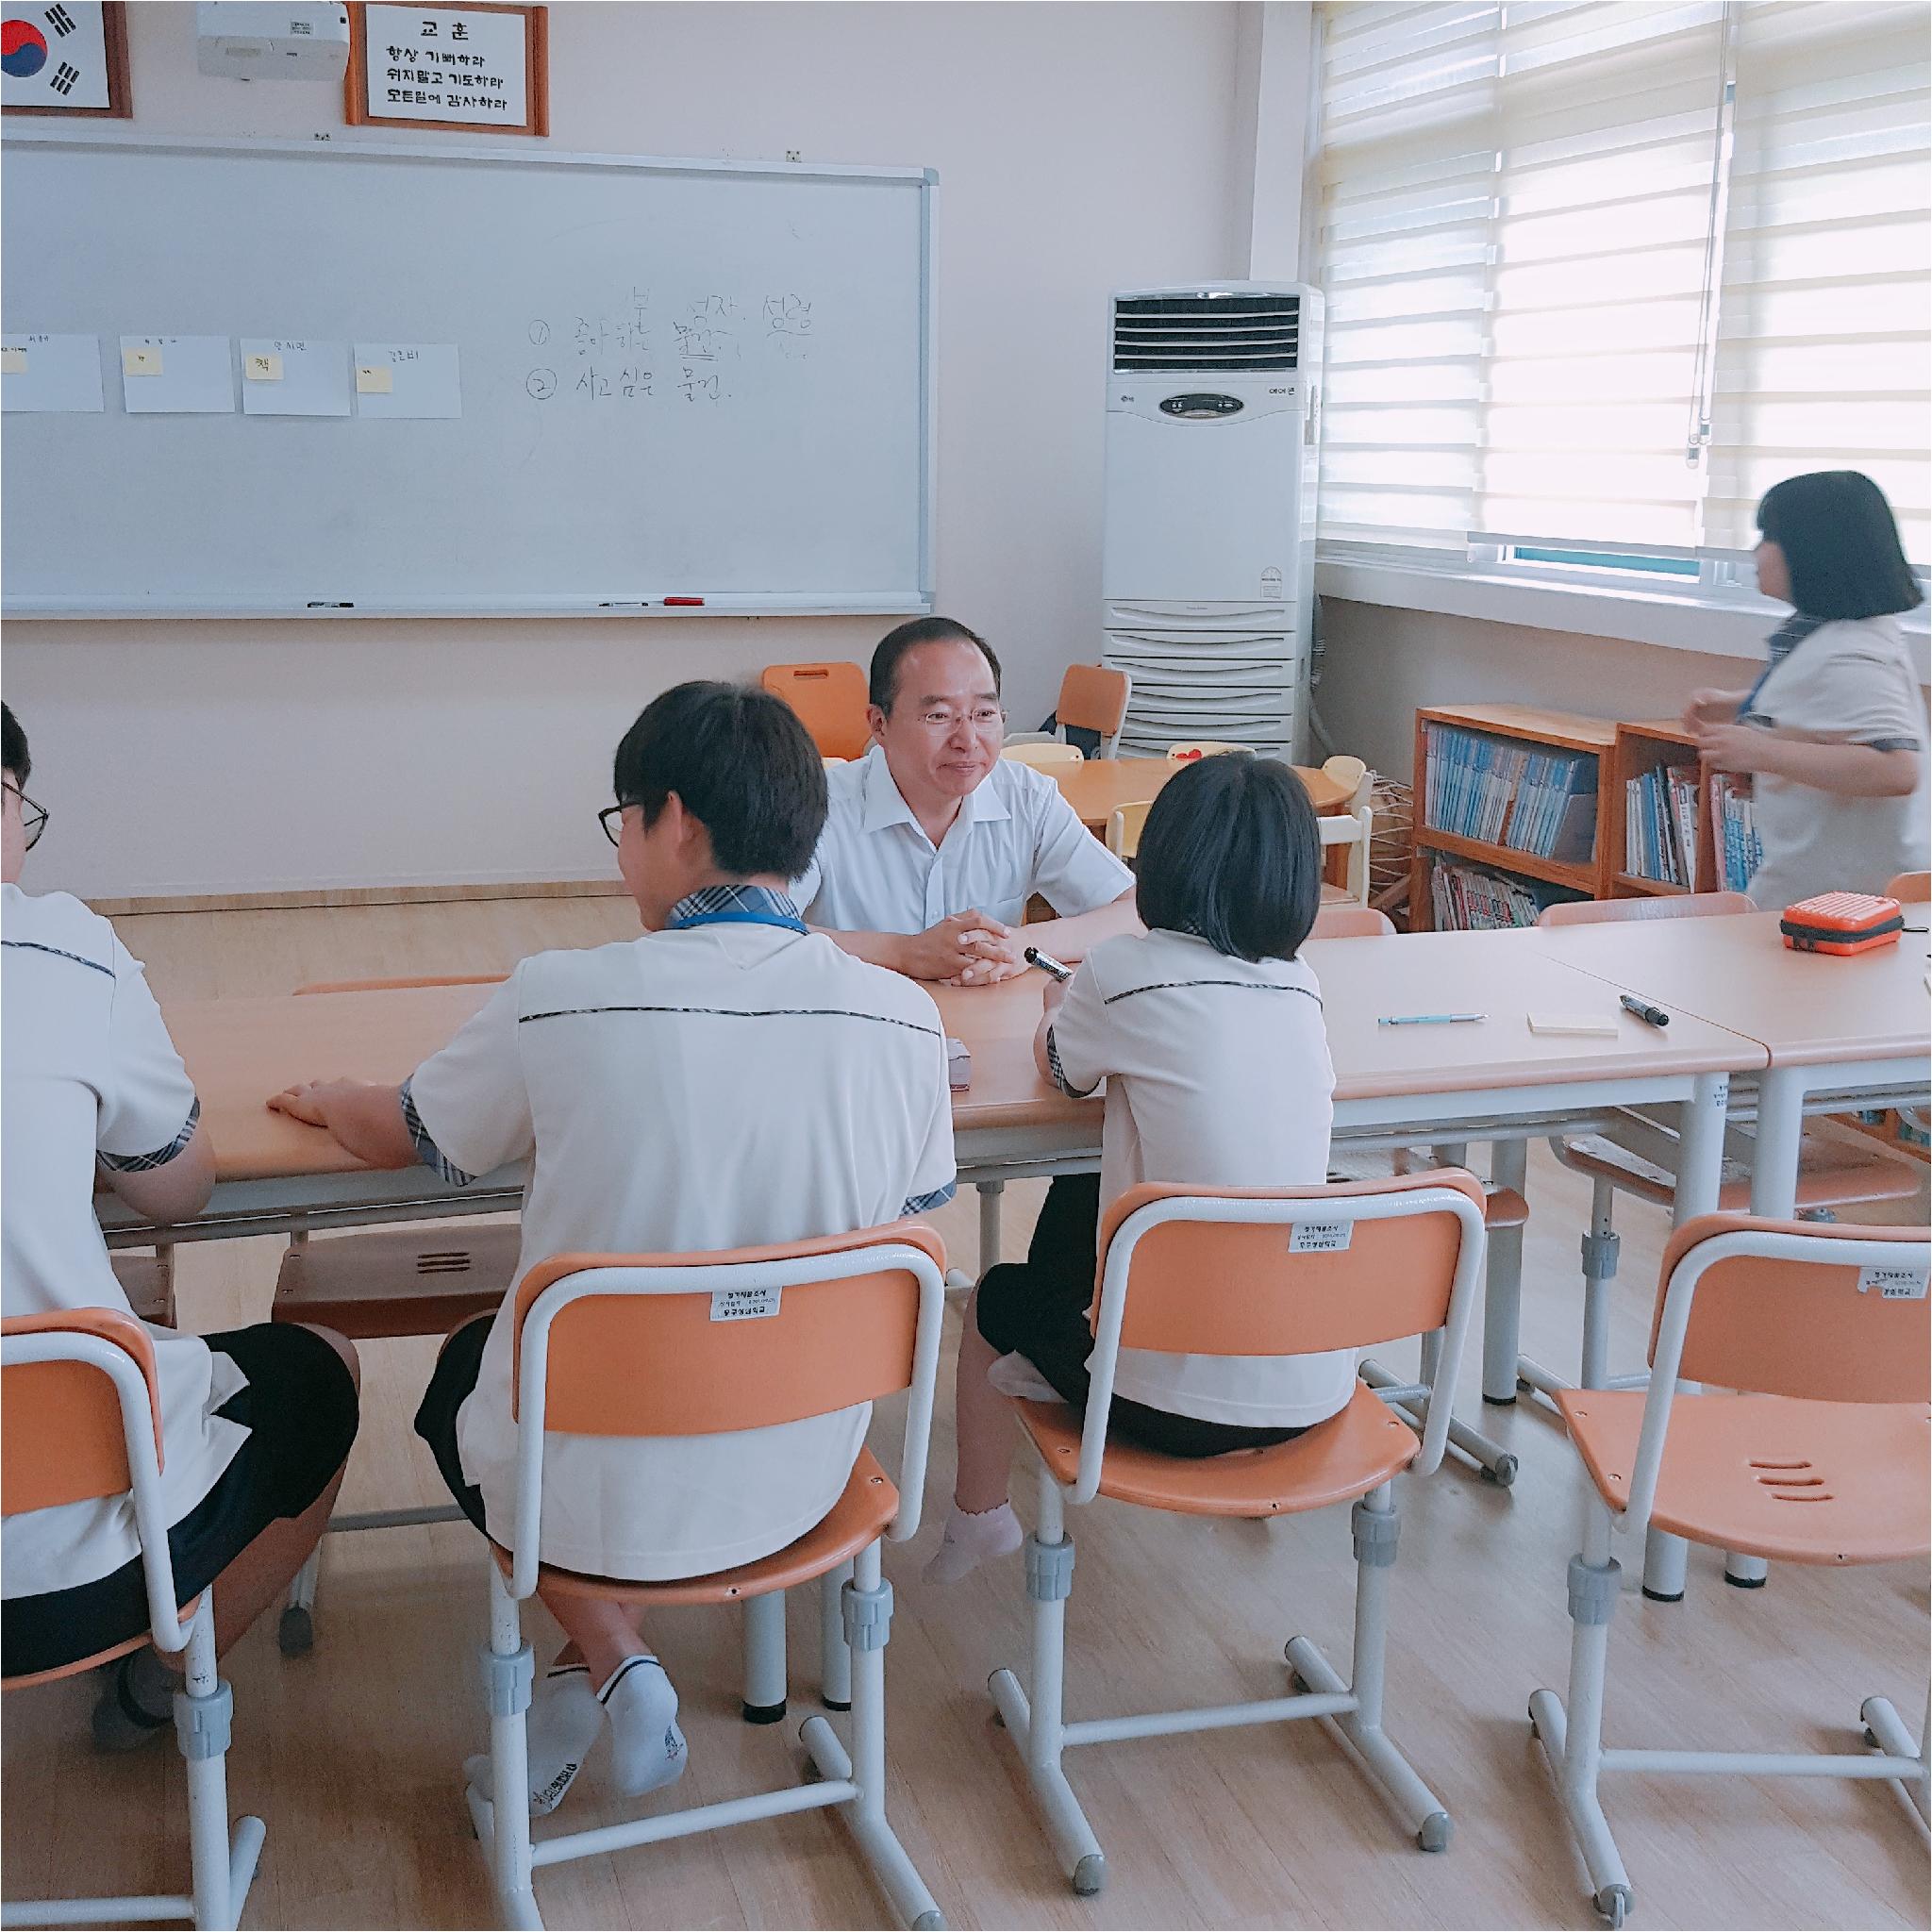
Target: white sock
x=1013, y=1374
x=970, y=1539
x=561, y=1726
x=647, y=1748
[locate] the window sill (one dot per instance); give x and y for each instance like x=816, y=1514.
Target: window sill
x=1735, y=627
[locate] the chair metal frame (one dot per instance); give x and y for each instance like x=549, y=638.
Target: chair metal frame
x=1353, y=1707
x=1571, y=1729
x=223, y=1867
x=852, y=1779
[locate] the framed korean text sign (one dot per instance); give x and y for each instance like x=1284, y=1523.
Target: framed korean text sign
x=476, y=66
x=66, y=59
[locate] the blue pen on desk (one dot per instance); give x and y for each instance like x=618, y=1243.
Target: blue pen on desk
x=1430, y=1018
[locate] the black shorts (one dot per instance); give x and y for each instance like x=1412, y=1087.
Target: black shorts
x=450, y=1383
x=1038, y=1307
x=300, y=1410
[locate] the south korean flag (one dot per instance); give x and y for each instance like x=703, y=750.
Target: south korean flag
x=54, y=57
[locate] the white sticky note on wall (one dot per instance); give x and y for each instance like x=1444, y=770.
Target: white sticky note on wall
x=1321, y=1237
x=177, y=376
x=299, y=377
x=55, y=375
x=423, y=381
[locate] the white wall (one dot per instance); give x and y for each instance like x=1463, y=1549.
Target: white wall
x=1079, y=148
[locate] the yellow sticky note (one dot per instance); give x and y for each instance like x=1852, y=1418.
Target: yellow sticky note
x=262, y=368
x=141, y=361
x=13, y=362
x=373, y=379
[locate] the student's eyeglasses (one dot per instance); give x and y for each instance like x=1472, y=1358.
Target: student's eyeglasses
x=33, y=818
x=611, y=819
x=983, y=718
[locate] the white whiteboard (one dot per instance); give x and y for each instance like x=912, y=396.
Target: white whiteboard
x=684, y=378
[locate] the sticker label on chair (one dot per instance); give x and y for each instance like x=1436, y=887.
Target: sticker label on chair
x=744, y=1303
x=1321, y=1237
x=1893, y=1283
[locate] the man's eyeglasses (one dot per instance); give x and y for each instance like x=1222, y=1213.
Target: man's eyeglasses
x=33, y=818
x=983, y=718
x=611, y=819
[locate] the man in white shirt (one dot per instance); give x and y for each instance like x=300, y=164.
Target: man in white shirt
x=934, y=844
x=255, y=1422
x=727, y=1080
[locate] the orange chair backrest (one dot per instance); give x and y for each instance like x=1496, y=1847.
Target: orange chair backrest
x=660, y=1365
x=1351, y=922
x=1229, y=1288
x=1672, y=905
x=1910, y=888
x=385, y=985
x=831, y=698
x=1092, y=698
x=61, y=1438
x=1801, y=1327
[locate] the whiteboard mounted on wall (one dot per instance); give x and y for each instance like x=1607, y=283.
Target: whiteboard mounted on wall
x=686, y=379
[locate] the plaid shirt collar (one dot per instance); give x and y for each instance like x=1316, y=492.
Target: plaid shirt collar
x=735, y=906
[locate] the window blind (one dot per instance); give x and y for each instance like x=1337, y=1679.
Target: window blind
x=1824, y=318
x=1603, y=271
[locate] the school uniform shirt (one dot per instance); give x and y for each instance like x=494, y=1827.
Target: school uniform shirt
x=1217, y=1074
x=877, y=871
x=714, y=1085
x=87, y=1074
x=1853, y=682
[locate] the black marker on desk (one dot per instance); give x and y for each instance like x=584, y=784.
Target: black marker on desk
x=1047, y=963
x=1650, y=1015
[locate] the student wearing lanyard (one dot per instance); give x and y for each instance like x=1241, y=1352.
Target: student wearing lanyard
x=255, y=1422
x=1834, y=729
x=934, y=843
x=728, y=1079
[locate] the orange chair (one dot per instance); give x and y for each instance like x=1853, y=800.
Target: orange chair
x=831, y=698
x=1818, y=1457
x=1837, y=1166
x=1196, y=1270
x=381, y=1283
x=1352, y=923
x=1910, y=888
x=81, y=1419
x=1093, y=697
x=856, y=1317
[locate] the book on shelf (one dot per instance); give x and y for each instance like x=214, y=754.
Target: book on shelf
x=1660, y=825
x=1502, y=791
x=1738, y=851
x=1465, y=898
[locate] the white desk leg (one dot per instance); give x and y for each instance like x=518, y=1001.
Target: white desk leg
x=1774, y=1194
x=989, y=1205
x=1700, y=1168
x=1503, y=1282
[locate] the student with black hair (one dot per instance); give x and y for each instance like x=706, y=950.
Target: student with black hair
x=255, y=1422
x=727, y=1080
x=1207, y=1031
x=1834, y=730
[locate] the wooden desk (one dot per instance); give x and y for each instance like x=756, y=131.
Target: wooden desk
x=1097, y=789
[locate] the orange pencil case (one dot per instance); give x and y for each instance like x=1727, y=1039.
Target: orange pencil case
x=1841, y=923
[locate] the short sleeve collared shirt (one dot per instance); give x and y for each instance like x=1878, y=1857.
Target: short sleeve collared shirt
x=877, y=871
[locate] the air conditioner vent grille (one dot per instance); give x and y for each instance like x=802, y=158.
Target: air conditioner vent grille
x=1221, y=332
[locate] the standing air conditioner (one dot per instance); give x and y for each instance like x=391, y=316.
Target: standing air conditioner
x=1207, y=541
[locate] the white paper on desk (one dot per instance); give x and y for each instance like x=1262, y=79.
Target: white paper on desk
x=197, y=377
x=314, y=379
x=52, y=375
x=424, y=380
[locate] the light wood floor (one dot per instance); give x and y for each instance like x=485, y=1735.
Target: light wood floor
x=352, y=1754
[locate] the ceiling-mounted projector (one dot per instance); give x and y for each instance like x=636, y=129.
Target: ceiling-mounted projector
x=256, y=40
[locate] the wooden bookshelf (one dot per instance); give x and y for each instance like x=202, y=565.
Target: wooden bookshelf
x=1640, y=748
x=1533, y=725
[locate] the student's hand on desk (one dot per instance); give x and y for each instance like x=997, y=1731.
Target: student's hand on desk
x=304, y=1102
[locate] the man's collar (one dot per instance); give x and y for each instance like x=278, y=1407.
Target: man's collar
x=885, y=804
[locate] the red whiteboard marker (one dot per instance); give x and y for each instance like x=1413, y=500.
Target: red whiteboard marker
x=672, y=602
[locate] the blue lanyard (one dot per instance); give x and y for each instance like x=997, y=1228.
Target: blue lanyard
x=733, y=916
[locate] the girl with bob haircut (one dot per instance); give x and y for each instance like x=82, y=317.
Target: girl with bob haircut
x=1206, y=1030
x=1834, y=730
